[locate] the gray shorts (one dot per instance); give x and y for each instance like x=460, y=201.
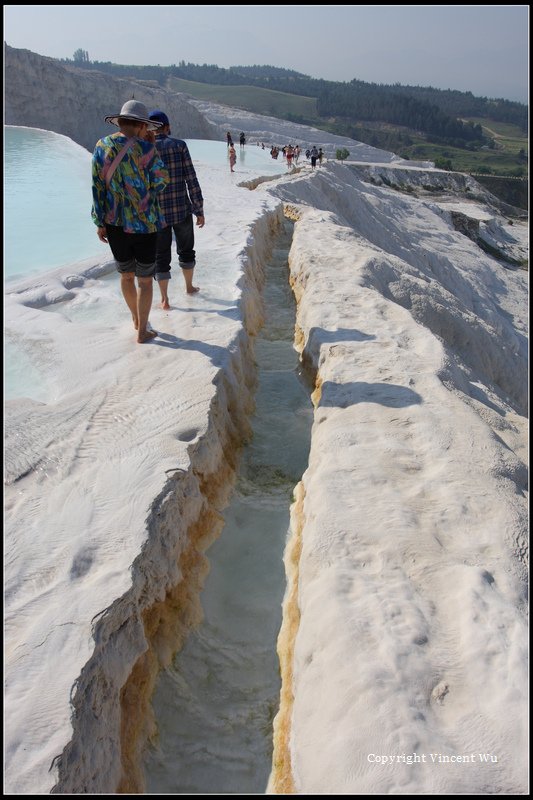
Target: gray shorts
x=140, y=270
x=133, y=252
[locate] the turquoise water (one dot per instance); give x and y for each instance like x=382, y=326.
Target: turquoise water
x=252, y=161
x=48, y=224
x=47, y=202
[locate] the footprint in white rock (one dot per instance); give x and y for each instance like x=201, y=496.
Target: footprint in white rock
x=439, y=692
x=188, y=435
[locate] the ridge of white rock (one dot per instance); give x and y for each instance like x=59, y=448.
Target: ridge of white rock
x=446, y=281
x=42, y=92
x=405, y=617
x=412, y=176
x=273, y=131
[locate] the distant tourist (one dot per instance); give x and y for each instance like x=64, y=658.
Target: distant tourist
x=128, y=177
x=232, y=157
x=289, y=153
x=320, y=156
x=179, y=202
x=314, y=156
x=308, y=154
x=242, y=139
x=229, y=139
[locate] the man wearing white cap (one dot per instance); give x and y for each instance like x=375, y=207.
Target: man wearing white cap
x=128, y=177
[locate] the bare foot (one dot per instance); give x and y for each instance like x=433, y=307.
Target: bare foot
x=146, y=337
x=164, y=304
x=193, y=290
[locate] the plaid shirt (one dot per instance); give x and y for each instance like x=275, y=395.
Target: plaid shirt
x=176, y=202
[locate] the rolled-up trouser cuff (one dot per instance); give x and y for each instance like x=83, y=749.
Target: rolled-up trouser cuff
x=141, y=270
x=187, y=264
x=162, y=276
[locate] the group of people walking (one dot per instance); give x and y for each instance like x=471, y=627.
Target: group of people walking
x=145, y=188
x=292, y=154
x=229, y=139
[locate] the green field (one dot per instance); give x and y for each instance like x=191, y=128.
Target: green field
x=509, y=137
x=250, y=98
x=503, y=159
x=498, y=162
x=505, y=129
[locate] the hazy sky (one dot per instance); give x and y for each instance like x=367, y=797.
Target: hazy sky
x=482, y=49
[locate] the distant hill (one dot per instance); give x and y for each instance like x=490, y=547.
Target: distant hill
x=437, y=113
x=267, y=71
x=455, y=129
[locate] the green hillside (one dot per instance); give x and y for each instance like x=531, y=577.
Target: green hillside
x=251, y=98
x=506, y=156
x=506, y=136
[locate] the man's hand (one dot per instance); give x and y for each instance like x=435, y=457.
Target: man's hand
x=149, y=136
x=102, y=234
x=200, y=221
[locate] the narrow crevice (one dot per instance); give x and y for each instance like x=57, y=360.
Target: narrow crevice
x=216, y=703
x=281, y=780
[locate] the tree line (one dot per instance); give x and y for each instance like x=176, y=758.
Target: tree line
x=372, y=103
x=465, y=104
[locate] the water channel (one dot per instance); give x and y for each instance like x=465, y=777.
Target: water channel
x=215, y=704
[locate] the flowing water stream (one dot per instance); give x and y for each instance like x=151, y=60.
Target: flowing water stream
x=215, y=704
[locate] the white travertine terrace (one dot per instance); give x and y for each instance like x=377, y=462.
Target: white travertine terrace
x=404, y=630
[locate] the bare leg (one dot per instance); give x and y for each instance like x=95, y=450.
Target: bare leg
x=129, y=292
x=187, y=274
x=144, y=304
x=163, y=288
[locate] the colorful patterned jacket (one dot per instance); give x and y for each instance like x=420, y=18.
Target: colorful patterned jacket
x=132, y=199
